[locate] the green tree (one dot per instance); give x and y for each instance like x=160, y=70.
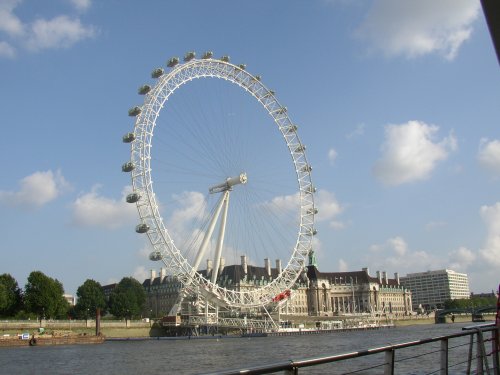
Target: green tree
x=43, y=296
x=127, y=299
x=11, y=299
x=90, y=298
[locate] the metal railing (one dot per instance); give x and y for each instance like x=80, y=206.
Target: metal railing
x=484, y=359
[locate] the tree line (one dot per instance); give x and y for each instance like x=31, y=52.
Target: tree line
x=43, y=298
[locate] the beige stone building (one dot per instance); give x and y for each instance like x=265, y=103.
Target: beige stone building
x=315, y=293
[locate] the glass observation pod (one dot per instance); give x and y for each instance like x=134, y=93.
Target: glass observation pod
x=189, y=56
x=311, y=189
x=133, y=197
x=269, y=93
x=144, y=89
x=312, y=211
x=173, y=62
x=258, y=78
x=134, y=111
x=300, y=148
x=225, y=58
x=207, y=55
x=142, y=228
x=155, y=256
x=128, y=167
x=282, y=110
x=306, y=168
x=312, y=232
x=291, y=129
x=157, y=73
x=242, y=66
x=129, y=137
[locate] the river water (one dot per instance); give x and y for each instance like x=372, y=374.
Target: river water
x=197, y=356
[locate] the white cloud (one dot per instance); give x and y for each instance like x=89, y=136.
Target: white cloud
x=398, y=245
x=410, y=154
x=81, y=5
x=332, y=156
x=489, y=155
x=6, y=50
x=416, y=28
x=191, y=206
x=36, y=190
x=343, y=266
x=327, y=204
x=9, y=22
x=283, y=203
x=59, y=32
x=461, y=259
x=94, y=210
x=491, y=249
x=357, y=132
x=433, y=225
x=141, y=273
x=394, y=254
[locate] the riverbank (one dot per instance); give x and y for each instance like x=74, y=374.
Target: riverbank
x=140, y=329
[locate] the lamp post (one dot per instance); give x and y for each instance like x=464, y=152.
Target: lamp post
x=353, y=303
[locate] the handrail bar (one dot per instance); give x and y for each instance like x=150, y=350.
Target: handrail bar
x=294, y=364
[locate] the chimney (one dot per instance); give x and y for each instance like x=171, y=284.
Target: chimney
x=366, y=269
x=396, y=276
x=384, y=276
x=209, y=266
x=222, y=264
x=244, y=264
x=163, y=274
x=379, y=277
x=267, y=264
x=278, y=266
x=153, y=276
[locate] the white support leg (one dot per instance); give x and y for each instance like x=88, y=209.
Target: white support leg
x=208, y=235
x=220, y=240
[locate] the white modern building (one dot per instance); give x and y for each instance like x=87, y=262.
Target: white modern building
x=432, y=288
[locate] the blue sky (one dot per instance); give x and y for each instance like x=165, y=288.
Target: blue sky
x=397, y=103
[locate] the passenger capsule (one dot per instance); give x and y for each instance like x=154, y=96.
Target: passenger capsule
x=133, y=197
x=225, y=58
x=258, y=78
x=157, y=73
x=189, y=56
x=207, y=55
x=142, y=228
x=129, y=137
x=312, y=211
x=155, y=256
x=134, y=111
x=173, y=62
x=310, y=189
x=282, y=110
x=300, y=148
x=144, y=89
x=291, y=129
x=242, y=66
x=128, y=167
x=306, y=168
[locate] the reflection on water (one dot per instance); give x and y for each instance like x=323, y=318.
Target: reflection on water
x=200, y=356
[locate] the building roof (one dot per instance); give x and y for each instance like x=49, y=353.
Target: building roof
x=358, y=277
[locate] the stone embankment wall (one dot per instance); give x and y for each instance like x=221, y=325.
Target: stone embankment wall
x=109, y=328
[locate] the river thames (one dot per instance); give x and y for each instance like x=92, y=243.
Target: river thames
x=197, y=356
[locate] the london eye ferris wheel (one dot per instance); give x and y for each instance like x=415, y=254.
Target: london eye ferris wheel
x=218, y=172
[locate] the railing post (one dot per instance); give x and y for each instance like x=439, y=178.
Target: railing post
x=479, y=353
x=444, y=357
x=389, y=362
x=494, y=350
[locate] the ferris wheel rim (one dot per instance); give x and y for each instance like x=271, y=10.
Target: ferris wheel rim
x=172, y=257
